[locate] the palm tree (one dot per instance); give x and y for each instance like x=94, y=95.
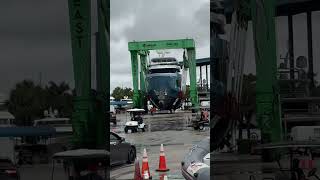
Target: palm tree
x=26, y=102
x=59, y=96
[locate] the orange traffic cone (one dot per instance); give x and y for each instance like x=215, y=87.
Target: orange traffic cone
x=146, y=175
x=162, y=161
x=145, y=164
x=137, y=175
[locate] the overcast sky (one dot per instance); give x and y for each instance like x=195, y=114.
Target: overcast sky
x=35, y=38
x=155, y=20
x=299, y=37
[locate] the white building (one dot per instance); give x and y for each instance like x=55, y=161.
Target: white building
x=6, y=119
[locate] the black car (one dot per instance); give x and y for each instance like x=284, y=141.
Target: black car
x=121, y=152
x=8, y=171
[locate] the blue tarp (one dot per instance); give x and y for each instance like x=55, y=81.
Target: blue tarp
x=119, y=103
x=26, y=131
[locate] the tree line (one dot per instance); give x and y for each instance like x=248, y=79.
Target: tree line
x=119, y=93
x=28, y=101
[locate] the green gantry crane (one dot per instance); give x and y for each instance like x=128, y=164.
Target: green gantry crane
x=262, y=14
x=90, y=109
x=141, y=49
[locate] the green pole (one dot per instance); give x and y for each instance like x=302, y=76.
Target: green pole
x=135, y=78
x=193, y=75
x=79, y=15
x=143, y=59
x=103, y=69
x=267, y=98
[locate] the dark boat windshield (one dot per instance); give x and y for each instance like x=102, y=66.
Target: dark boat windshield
x=164, y=70
x=164, y=60
x=159, y=82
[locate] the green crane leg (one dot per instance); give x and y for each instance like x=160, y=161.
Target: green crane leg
x=267, y=98
x=79, y=14
x=103, y=69
x=143, y=59
x=193, y=76
x=135, y=78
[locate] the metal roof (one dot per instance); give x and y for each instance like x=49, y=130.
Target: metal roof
x=286, y=7
x=52, y=119
x=26, y=131
x=203, y=61
x=119, y=103
x=82, y=153
x=136, y=110
x=6, y=115
x=289, y=144
x=200, y=61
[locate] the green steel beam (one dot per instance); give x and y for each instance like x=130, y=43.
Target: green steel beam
x=143, y=71
x=143, y=63
x=79, y=15
x=164, y=44
x=192, y=74
x=267, y=98
x=135, y=78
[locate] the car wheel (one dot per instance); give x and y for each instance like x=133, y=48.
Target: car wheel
x=126, y=130
x=143, y=130
x=196, y=127
x=131, y=155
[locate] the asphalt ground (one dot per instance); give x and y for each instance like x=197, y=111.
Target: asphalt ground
x=171, y=130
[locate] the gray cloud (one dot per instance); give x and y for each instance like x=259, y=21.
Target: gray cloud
x=300, y=41
x=34, y=38
x=154, y=20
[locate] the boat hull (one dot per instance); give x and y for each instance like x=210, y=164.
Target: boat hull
x=164, y=90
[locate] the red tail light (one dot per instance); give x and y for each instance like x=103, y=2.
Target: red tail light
x=11, y=172
x=93, y=167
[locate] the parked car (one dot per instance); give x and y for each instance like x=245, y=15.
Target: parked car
x=121, y=152
x=196, y=163
x=8, y=170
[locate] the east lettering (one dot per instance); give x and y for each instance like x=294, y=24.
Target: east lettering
x=79, y=28
x=79, y=38
x=77, y=15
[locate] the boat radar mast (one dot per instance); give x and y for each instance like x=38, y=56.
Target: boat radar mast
x=162, y=53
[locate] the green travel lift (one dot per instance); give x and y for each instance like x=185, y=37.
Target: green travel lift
x=90, y=108
x=139, y=52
